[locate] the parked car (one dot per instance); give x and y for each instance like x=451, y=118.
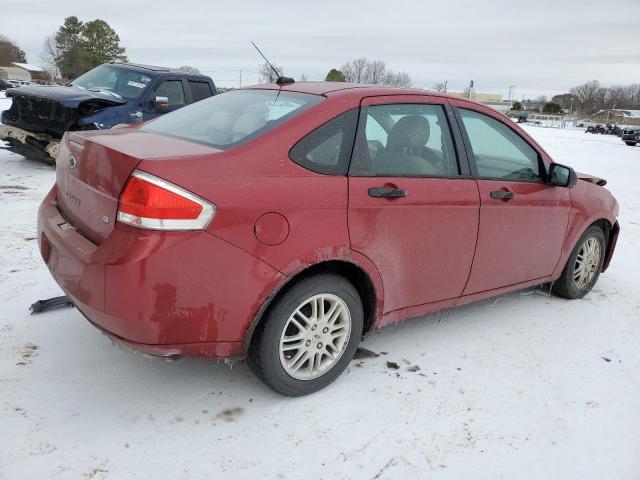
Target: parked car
x=631, y=136
x=4, y=84
x=282, y=223
x=108, y=95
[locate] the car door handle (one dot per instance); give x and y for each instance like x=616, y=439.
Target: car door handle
x=387, y=192
x=502, y=195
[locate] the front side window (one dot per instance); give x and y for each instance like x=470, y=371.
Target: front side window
x=173, y=91
x=328, y=148
x=233, y=118
x=117, y=81
x=499, y=152
x=405, y=140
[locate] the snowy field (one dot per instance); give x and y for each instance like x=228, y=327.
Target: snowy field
x=524, y=386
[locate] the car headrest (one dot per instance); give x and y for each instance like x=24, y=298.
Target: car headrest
x=411, y=131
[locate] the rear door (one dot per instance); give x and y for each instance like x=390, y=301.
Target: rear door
x=523, y=220
x=199, y=90
x=413, y=207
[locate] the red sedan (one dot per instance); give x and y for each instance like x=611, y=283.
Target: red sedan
x=281, y=224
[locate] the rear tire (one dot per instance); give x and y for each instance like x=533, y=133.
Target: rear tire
x=583, y=266
x=308, y=336
x=631, y=144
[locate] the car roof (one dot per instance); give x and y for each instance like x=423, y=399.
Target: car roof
x=356, y=89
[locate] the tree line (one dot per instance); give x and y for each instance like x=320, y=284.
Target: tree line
x=591, y=97
x=360, y=70
x=78, y=46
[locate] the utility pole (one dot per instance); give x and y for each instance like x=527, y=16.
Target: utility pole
x=511, y=88
x=240, y=71
x=445, y=86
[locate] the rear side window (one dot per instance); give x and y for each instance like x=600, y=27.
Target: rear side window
x=200, y=90
x=405, y=140
x=233, y=118
x=327, y=149
x=499, y=152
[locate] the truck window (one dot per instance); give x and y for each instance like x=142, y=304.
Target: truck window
x=200, y=90
x=173, y=90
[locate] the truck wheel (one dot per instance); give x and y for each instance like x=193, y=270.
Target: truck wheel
x=583, y=266
x=309, y=336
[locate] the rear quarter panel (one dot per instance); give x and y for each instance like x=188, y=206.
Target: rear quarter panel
x=251, y=180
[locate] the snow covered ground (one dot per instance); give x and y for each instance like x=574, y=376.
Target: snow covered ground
x=524, y=386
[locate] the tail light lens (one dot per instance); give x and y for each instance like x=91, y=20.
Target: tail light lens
x=152, y=203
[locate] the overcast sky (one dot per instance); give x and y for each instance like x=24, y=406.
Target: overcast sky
x=540, y=46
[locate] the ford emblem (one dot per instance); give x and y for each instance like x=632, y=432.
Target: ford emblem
x=72, y=162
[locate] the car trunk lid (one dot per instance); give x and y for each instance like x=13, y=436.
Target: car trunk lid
x=92, y=169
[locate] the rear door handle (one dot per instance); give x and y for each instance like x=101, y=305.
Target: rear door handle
x=502, y=195
x=387, y=192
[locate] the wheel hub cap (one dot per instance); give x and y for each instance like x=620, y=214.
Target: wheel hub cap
x=315, y=336
x=587, y=263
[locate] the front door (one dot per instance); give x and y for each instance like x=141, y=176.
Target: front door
x=173, y=90
x=523, y=220
x=412, y=209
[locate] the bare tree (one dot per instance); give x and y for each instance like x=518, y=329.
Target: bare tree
x=355, y=70
x=50, y=56
x=400, y=79
x=585, y=95
x=439, y=87
x=374, y=72
x=267, y=75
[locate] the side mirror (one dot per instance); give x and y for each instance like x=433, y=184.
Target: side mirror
x=162, y=103
x=562, y=176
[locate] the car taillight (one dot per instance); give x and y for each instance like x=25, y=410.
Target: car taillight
x=152, y=203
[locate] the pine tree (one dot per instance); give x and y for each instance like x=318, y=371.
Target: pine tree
x=335, y=75
x=101, y=43
x=79, y=46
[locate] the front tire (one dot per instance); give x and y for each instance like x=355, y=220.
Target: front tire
x=583, y=266
x=631, y=144
x=308, y=336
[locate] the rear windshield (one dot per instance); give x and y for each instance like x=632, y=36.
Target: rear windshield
x=233, y=118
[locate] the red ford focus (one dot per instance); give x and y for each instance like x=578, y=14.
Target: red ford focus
x=282, y=224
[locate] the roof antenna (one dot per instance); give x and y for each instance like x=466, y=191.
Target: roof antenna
x=280, y=79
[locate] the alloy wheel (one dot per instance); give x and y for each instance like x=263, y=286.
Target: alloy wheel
x=315, y=336
x=587, y=262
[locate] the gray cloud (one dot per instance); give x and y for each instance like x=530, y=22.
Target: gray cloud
x=541, y=46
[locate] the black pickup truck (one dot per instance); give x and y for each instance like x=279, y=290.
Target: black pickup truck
x=106, y=96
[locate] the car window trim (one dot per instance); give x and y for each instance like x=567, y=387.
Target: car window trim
x=471, y=156
x=460, y=151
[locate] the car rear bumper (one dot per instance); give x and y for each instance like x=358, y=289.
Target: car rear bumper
x=164, y=293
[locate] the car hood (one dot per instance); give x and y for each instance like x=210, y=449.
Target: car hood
x=591, y=179
x=70, y=97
